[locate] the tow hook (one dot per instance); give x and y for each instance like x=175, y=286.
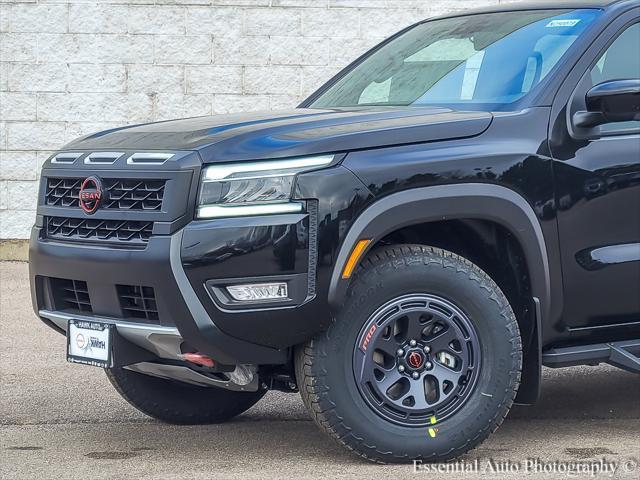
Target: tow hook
x=199, y=359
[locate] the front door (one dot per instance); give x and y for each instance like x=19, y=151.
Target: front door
x=597, y=181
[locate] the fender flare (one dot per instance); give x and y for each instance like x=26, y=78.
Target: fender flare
x=447, y=202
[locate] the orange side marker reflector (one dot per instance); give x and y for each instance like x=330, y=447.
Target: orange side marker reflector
x=357, y=252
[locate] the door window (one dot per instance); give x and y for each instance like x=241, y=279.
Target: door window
x=621, y=61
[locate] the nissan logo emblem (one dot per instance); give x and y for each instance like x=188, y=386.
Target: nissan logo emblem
x=91, y=194
x=415, y=359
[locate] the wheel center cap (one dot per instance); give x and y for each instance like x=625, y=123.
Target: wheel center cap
x=415, y=359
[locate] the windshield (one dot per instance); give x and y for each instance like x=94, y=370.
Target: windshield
x=494, y=58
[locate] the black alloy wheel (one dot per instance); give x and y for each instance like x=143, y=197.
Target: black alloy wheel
x=417, y=357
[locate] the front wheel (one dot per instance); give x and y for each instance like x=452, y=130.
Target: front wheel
x=422, y=363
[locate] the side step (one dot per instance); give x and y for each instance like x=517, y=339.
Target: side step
x=625, y=355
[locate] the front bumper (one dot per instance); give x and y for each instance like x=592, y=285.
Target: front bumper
x=185, y=261
x=184, y=322
x=163, y=342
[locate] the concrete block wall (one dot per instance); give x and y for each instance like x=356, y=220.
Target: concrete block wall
x=72, y=67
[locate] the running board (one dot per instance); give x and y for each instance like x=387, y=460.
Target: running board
x=625, y=355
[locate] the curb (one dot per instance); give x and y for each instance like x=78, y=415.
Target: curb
x=14, y=250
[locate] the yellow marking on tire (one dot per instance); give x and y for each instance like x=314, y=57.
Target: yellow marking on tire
x=432, y=431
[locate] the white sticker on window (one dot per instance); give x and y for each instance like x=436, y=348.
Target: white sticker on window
x=563, y=23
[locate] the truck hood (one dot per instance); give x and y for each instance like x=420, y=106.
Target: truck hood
x=291, y=133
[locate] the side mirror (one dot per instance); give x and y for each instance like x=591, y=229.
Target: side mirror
x=612, y=101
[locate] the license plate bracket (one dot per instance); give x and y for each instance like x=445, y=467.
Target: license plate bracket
x=90, y=343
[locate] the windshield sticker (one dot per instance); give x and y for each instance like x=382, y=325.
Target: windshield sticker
x=563, y=23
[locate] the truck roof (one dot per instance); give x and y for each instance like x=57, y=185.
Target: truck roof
x=542, y=4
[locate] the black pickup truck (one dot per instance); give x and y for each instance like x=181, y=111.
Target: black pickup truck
x=455, y=209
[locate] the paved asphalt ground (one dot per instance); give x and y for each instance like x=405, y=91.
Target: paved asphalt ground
x=60, y=421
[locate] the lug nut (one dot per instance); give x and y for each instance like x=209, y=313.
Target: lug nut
x=400, y=352
x=429, y=365
x=401, y=368
x=415, y=375
x=427, y=349
x=413, y=343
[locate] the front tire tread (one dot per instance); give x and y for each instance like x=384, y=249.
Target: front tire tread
x=310, y=381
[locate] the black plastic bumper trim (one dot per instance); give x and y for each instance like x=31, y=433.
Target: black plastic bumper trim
x=205, y=335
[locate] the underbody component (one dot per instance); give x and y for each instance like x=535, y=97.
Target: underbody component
x=164, y=343
x=187, y=375
x=625, y=355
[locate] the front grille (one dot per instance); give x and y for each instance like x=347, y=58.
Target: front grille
x=138, y=302
x=121, y=194
x=63, y=192
x=71, y=295
x=82, y=229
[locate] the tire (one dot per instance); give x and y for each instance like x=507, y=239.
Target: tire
x=180, y=403
x=341, y=403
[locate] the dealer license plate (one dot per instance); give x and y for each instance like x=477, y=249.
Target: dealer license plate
x=89, y=343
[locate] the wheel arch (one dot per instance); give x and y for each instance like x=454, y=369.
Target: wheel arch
x=487, y=202
x=448, y=202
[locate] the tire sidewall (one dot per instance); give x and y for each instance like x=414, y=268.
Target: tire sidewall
x=486, y=311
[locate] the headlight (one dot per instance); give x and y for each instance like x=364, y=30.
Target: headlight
x=253, y=188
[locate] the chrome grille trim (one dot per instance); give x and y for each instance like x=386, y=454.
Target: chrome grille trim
x=150, y=158
x=66, y=158
x=102, y=158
